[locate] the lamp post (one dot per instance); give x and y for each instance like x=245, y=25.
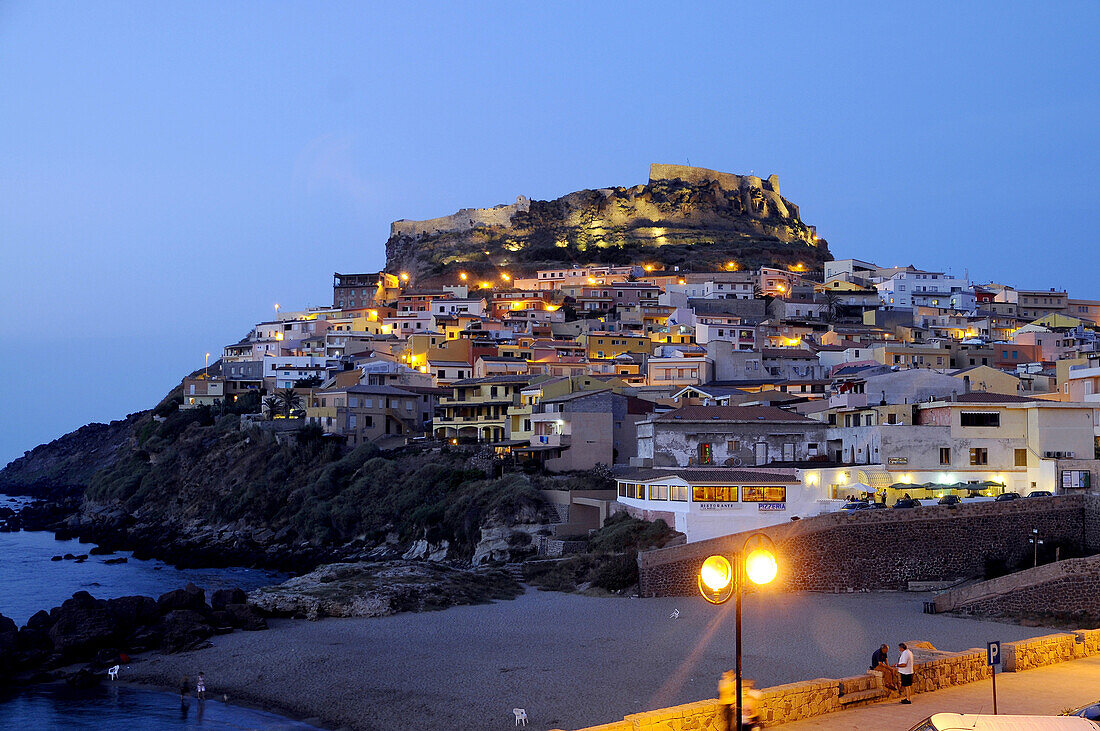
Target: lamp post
x=206, y=368
x=1035, y=542
x=719, y=579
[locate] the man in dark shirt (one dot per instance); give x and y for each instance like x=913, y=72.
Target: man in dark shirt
x=890, y=678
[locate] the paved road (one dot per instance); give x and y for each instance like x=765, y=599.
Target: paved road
x=1048, y=690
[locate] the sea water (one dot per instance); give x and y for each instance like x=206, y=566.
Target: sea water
x=30, y=580
x=121, y=706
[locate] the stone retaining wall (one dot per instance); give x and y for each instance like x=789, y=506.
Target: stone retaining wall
x=1067, y=590
x=936, y=669
x=886, y=549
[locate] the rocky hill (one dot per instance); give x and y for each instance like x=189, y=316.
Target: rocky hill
x=694, y=218
x=68, y=463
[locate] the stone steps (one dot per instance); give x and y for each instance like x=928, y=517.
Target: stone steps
x=515, y=570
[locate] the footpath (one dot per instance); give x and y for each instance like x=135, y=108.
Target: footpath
x=1042, y=691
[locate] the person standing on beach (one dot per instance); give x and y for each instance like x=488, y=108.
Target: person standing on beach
x=906, y=667
x=185, y=689
x=200, y=687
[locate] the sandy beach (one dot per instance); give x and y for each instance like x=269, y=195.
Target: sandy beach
x=570, y=660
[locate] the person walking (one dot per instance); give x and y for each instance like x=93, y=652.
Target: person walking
x=185, y=689
x=906, y=668
x=200, y=687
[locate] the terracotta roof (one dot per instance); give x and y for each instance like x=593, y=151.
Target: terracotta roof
x=733, y=414
x=980, y=397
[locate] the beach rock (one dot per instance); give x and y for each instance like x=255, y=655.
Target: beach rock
x=182, y=629
x=84, y=678
x=244, y=616
x=190, y=597
x=40, y=620
x=131, y=612
x=427, y=551
x=221, y=597
x=120, y=559
x=82, y=624
x=7, y=624
x=100, y=551
x=57, y=558
x=8, y=643
x=378, y=589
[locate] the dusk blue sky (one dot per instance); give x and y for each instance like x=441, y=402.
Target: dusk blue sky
x=169, y=171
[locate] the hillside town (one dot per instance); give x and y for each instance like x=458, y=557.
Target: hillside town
x=721, y=401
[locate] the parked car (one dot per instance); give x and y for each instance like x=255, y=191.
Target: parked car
x=985, y=722
x=856, y=505
x=1040, y=493
x=1007, y=496
x=1091, y=711
x=907, y=502
x=950, y=500
x=876, y=506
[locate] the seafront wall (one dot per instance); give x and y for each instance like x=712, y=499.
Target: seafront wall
x=888, y=549
x=936, y=669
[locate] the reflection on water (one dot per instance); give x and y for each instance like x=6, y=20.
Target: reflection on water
x=120, y=706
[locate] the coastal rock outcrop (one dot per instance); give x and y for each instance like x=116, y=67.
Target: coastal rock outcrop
x=98, y=631
x=379, y=589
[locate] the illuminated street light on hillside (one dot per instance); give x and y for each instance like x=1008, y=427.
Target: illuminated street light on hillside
x=276, y=309
x=404, y=276
x=720, y=578
x=462, y=276
x=206, y=368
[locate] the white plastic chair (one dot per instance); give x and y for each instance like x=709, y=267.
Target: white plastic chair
x=675, y=614
x=521, y=716
x=112, y=673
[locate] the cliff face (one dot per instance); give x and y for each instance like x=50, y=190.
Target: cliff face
x=693, y=218
x=68, y=463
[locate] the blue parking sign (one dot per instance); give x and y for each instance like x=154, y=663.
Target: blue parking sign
x=993, y=653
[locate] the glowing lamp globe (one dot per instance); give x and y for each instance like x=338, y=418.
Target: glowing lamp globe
x=761, y=566
x=716, y=582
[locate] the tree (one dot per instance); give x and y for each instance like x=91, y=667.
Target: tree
x=310, y=382
x=272, y=405
x=832, y=306
x=290, y=400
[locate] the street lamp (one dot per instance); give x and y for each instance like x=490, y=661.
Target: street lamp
x=206, y=368
x=720, y=578
x=1035, y=542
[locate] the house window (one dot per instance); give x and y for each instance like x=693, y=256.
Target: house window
x=658, y=492
x=1020, y=457
x=706, y=456
x=714, y=494
x=980, y=418
x=733, y=445
x=945, y=455
x=679, y=493
x=979, y=456
x=758, y=494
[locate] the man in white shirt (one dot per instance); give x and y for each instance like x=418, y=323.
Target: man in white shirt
x=906, y=668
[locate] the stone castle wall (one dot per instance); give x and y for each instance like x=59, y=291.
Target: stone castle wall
x=700, y=176
x=887, y=549
x=464, y=220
